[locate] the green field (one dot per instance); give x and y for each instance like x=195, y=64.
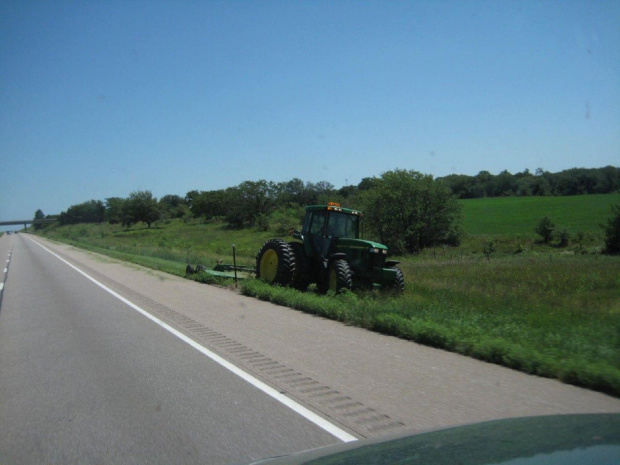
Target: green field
x=545, y=310
x=514, y=216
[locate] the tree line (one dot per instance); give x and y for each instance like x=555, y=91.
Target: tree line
x=406, y=210
x=139, y=207
x=244, y=205
x=575, y=181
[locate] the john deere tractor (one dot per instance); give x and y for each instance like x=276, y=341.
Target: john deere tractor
x=329, y=252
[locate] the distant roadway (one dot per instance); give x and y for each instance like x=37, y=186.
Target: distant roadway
x=105, y=362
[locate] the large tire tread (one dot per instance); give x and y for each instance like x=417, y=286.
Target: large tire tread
x=301, y=276
x=342, y=277
x=285, y=262
x=399, y=284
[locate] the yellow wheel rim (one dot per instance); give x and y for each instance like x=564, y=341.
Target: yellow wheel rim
x=269, y=265
x=333, y=280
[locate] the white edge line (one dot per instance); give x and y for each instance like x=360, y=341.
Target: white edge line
x=1, y=286
x=290, y=403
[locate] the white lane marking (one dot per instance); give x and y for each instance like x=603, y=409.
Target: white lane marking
x=6, y=269
x=299, y=409
x=1, y=286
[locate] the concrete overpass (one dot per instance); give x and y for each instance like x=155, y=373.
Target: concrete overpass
x=25, y=223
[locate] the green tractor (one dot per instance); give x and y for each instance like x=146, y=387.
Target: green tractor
x=329, y=253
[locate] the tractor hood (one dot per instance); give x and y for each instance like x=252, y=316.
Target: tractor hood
x=360, y=243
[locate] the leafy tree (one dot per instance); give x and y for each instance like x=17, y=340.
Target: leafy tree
x=141, y=206
x=173, y=206
x=292, y=192
x=235, y=211
x=190, y=199
x=410, y=211
x=608, y=180
x=296, y=193
x=322, y=187
x=545, y=228
x=251, y=201
x=484, y=184
x=92, y=211
x=207, y=204
x=127, y=217
x=256, y=198
x=505, y=184
x=612, y=231
x=323, y=192
x=540, y=186
x=38, y=215
x=283, y=219
x=367, y=183
x=114, y=210
x=461, y=185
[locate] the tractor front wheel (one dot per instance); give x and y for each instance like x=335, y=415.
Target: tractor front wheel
x=339, y=276
x=275, y=262
x=398, y=285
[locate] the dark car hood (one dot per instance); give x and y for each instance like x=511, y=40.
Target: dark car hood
x=589, y=439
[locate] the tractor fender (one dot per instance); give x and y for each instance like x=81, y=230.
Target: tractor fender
x=391, y=263
x=327, y=260
x=337, y=256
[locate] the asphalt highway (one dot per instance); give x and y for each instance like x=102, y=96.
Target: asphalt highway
x=107, y=362
x=85, y=378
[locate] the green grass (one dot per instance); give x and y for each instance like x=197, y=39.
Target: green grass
x=518, y=216
x=545, y=310
x=177, y=241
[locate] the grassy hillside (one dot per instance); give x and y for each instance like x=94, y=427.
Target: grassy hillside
x=545, y=310
x=512, y=216
x=176, y=241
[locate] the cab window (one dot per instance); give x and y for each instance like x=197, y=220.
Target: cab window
x=318, y=223
x=343, y=225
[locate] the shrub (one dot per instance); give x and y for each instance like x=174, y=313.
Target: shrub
x=564, y=237
x=580, y=238
x=612, y=232
x=488, y=249
x=545, y=228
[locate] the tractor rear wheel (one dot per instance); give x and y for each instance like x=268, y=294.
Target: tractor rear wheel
x=301, y=276
x=339, y=276
x=275, y=262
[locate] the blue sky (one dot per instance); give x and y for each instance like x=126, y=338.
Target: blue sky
x=102, y=98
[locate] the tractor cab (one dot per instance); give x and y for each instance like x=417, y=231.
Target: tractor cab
x=324, y=226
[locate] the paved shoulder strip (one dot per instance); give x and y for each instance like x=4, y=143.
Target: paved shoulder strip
x=296, y=407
